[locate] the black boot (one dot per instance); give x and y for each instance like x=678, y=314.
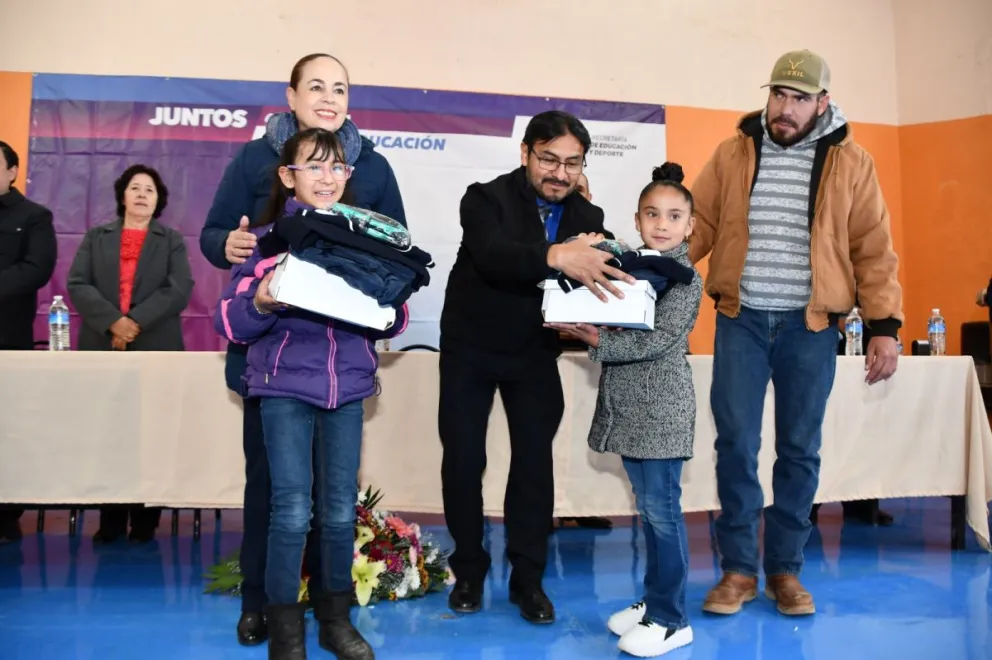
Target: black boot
x=337, y=635
x=287, y=632
x=252, y=629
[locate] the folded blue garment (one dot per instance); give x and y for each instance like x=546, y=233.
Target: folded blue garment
x=647, y=265
x=616, y=247
x=389, y=282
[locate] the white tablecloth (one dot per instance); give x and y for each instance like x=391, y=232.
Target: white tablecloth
x=161, y=428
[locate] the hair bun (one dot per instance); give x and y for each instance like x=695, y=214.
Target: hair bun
x=668, y=172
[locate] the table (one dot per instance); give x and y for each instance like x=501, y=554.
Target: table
x=162, y=429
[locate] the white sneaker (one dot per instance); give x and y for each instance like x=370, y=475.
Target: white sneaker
x=624, y=620
x=649, y=640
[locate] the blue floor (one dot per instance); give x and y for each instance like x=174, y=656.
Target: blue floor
x=897, y=592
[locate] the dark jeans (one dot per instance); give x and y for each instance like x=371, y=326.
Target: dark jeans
x=291, y=445
x=658, y=491
x=532, y=397
x=255, y=538
x=751, y=350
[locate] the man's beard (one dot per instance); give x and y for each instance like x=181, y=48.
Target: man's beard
x=568, y=188
x=799, y=136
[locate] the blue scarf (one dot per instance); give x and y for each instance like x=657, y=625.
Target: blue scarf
x=283, y=125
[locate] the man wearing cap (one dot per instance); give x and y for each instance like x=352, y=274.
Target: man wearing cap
x=792, y=216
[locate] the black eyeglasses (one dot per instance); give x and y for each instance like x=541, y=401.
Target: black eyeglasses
x=551, y=164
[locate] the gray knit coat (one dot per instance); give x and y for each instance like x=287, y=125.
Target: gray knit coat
x=646, y=407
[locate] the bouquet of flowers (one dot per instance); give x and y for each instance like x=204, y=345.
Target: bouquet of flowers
x=393, y=560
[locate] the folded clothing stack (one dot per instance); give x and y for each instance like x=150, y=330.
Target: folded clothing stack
x=643, y=264
x=614, y=246
x=361, y=253
x=372, y=224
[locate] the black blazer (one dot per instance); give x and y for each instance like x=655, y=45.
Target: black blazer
x=493, y=302
x=162, y=287
x=27, y=258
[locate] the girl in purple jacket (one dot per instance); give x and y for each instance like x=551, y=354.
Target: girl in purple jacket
x=308, y=370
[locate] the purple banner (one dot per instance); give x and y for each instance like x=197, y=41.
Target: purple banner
x=86, y=130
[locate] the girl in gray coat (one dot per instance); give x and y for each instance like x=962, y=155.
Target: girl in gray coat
x=646, y=413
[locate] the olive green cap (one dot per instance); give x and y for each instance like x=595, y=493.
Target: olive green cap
x=801, y=70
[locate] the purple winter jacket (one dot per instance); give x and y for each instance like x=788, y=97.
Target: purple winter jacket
x=296, y=354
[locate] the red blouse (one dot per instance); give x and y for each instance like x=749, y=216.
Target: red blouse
x=131, y=242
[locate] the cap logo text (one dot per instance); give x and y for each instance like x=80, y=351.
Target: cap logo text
x=793, y=71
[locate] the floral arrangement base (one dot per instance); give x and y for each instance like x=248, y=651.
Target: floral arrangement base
x=394, y=560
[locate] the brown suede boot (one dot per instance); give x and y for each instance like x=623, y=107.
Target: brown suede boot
x=789, y=595
x=730, y=594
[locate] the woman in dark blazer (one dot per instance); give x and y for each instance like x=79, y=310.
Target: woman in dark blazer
x=129, y=282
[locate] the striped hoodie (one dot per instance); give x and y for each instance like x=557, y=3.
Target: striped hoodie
x=777, y=275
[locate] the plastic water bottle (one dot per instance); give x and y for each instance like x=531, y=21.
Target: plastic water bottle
x=854, y=329
x=937, y=333
x=58, y=326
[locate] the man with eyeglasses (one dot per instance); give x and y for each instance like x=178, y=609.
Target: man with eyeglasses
x=492, y=337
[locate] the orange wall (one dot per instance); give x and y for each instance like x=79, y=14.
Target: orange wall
x=15, y=116
x=694, y=133
x=936, y=181
x=947, y=198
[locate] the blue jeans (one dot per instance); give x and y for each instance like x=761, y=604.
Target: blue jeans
x=751, y=350
x=658, y=491
x=289, y=436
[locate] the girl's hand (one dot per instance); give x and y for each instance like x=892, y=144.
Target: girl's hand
x=264, y=302
x=584, y=332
